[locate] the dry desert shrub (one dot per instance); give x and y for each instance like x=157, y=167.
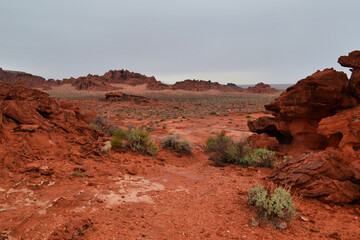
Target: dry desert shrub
x=137, y=140
x=173, y=142
x=276, y=204
x=224, y=150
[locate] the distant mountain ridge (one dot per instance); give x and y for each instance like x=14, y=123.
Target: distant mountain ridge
x=108, y=81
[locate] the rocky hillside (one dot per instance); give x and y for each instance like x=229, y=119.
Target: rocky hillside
x=14, y=77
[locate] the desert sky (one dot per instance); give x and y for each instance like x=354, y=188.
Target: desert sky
x=239, y=41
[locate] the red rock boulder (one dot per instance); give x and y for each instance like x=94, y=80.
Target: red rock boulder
x=320, y=113
x=353, y=61
x=319, y=95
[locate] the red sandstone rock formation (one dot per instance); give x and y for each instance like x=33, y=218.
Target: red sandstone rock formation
x=105, y=82
x=353, y=61
x=299, y=109
x=130, y=78
x=91, y=82
x=32, y=124
x=14, y=77
x=319, y=113
x=119, y=96
x=314, y=97
x=201, y=85
x=262, y=88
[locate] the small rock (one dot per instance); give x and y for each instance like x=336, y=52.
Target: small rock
x=304, y=219
x=106, y=148
x=34, y=166
x=45, y=170
x=132, y=169
x=314, y=229
x=327, y=207
x=26, y=128
x=281, y=225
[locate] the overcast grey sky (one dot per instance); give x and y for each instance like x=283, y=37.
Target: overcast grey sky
x=240, y=41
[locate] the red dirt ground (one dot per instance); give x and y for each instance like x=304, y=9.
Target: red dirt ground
x=131, y=196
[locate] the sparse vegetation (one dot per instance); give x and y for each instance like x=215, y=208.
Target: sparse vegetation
x=225, y=150
x=260, y=158
x=173, y=142
x=137, y=140
x=272, y=204
x=79, y=172
x=99, y=123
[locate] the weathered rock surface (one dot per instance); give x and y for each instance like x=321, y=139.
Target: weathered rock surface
x=343, y=131
x=323, y=174
x=353, y=61
x=317, y=96
x=263, y=141
x=320, y=113
x=33, y=123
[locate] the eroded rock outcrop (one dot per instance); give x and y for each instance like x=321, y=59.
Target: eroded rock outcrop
x=323, y=175
x=34, y=126
x=131, y=78
x=353, y=61
x=319, y=113
x=262, y=88
x=94, y=83
x=15, y=77
x=201, y=85
x=315, y=97
x=298, y=110
x=122, y=97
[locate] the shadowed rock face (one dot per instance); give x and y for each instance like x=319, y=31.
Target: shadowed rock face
x=320, y=113
x=353, y=61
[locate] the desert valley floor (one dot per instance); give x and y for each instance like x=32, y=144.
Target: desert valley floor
x=125, y=195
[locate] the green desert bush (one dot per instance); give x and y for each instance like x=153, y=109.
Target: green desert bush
x=173, y=142
x=259, y=158
x=137, y=140
x=225, y=150
x=272, y=204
